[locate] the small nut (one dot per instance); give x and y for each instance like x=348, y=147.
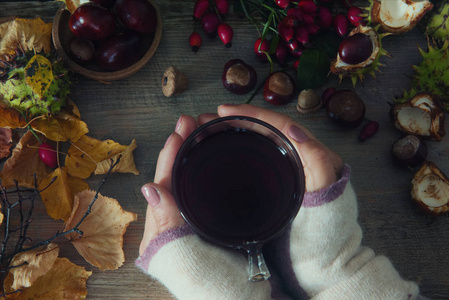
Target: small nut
x=174, y=82
x=308, y=101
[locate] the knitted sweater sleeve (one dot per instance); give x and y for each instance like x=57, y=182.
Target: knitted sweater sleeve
x=321, y=256
x=192, y=268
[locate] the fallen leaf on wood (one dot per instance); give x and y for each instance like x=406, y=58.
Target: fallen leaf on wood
x=58, y=195
x=65, y=280
x=24, y=164
x=103, y=230
x=84, y=155
x=126, y=164
x=29, y=265
x=61, y=127
x=5, y=142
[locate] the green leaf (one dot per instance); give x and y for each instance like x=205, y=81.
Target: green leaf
x=313, y=69
x=328, y=42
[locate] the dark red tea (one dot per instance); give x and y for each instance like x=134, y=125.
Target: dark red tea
x=235, y=186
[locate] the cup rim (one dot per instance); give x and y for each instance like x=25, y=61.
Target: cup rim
x=300, y=174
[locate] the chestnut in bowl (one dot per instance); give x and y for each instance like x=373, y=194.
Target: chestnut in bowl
x=63, y=36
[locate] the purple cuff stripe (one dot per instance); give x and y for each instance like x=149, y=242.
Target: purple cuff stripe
x=329, y=193
x=161, y=240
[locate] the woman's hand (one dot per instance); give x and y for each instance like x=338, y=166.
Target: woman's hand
x=162, y=211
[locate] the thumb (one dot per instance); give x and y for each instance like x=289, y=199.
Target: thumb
x=162, y=213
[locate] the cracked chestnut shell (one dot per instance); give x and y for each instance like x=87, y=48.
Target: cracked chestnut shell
x=422, y=115
x=238, y=77
x=431, y=189
x=398, y=16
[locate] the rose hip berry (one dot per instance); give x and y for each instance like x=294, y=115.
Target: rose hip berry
x=210, y=22
x=280, y=54
x=200, y=8
x=354, y=16
x=260, y=46
x=324, y=17
x=341, y=24
x=195, y=41
x=308, y=6
x=369, y=130
x=48, y=155
x=283, y=3
x=355, y=48
x=225, y=33
x=222, y=6
x=286, y=33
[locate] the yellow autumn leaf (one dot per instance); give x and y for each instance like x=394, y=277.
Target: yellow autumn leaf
x=84, y=155
x=10, y=118
x=30, y=34
x=29, y=265
x=126, y=164
x=24, y=164
x=103, y=230
x=39, y=74
x=1, y=215
x=64, y=281
x=61, y=127
x=58, y=196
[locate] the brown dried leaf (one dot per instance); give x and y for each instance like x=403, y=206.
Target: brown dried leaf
x=30, y=265
x=31, y=34
x=65, y=281
x=60, y=128
x=5, y=142
x=1, y=215
x=103, y=230
x=24, y=164
x=10, y=117
x=84, y=155
x=126, y=164
x=58, y=195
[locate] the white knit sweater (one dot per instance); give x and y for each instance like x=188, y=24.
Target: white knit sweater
x=319, y=257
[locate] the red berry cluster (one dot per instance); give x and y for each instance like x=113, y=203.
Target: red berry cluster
x=304, y=20
x=210, y=17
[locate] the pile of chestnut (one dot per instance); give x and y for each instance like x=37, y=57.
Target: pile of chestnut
x=110, y=33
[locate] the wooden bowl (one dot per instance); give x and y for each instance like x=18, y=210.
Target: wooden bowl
x=62, y=36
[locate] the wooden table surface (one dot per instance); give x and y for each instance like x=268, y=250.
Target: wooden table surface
x=135, y=108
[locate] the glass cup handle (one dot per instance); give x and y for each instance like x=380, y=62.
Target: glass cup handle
x=257, y=269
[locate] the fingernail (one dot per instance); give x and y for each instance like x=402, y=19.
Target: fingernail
x=297, y=134
x=152, y=195
x=178, y=124
x=168, y=140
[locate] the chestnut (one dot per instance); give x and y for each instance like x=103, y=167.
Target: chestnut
x=409, y=150
x=238, y=77
x=279, y=88
x=346, y=108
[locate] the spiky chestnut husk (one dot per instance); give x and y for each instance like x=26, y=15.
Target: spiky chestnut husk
x=16, y=93
x=438, y=22
x=397, y=16
x=370, y=65
x=430, y=189
x=431, y=75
